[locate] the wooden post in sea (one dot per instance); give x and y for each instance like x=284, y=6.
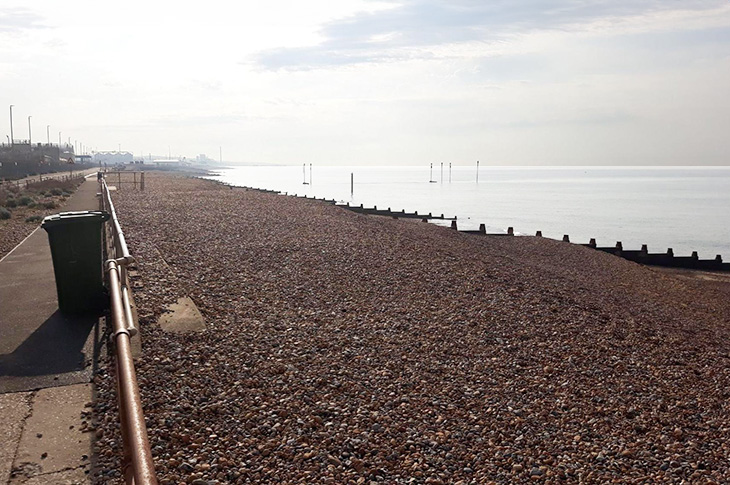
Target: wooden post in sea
x=442, y=172
x=477, y=171
x=310, y=174
x=449, y=172
x=430, y=175
x=352, y=183
x=141, y=181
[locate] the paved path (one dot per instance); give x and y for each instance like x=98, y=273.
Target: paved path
x=46, y=362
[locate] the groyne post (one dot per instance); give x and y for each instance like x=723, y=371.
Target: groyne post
x=482, y=229
x=566, y=238
x=453, y=225
x=538, y=234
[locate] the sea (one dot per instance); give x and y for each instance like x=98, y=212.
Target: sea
x=683, y=208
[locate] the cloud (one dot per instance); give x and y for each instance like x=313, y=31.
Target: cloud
x=14, y=20
x=409, y=28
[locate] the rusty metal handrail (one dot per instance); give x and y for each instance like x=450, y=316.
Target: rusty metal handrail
x=137, y=464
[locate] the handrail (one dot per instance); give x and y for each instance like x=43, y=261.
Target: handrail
x=118, y=234
x=137, y=464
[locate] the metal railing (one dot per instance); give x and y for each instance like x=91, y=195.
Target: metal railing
x=28, y=181
x=137, y=464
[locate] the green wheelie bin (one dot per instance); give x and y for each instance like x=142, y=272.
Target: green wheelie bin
x=76, y=248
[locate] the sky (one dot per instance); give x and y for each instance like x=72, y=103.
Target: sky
x=356, y=82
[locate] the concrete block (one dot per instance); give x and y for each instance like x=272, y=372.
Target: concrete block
x=182, y=317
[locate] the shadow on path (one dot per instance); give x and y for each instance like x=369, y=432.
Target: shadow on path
x=56, y=347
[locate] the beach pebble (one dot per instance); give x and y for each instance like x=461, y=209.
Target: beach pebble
x=342, y=348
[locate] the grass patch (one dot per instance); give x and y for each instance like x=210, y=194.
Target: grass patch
x=4, y=213
x=35, y=218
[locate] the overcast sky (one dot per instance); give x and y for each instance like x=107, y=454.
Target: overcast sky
x=530, y=82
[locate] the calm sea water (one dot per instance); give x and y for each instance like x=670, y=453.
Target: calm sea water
x=685, y=208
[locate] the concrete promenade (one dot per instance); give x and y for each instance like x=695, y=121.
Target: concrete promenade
x=46, y=367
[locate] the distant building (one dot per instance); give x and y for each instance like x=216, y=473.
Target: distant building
x=168, y=163
x=113, y=158
x=202, y=158
x=22, y=158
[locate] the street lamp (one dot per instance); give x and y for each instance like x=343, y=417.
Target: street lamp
x=11, y=125
x=29, y=137
x=48, y=134
x=59, y=140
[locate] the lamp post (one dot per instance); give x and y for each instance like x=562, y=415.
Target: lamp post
x=59, y=140
x=48, y=133
x=29, y=137
x=11, y=125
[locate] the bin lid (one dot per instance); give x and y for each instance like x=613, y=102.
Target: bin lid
x=74, y=217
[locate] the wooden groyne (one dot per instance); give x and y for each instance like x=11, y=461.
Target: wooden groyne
x=359, y=209
x=483, y=231
x=667, y=259
x=641, y=256
x=374, y=211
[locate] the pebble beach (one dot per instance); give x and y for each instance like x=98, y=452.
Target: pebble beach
x=348, y=349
